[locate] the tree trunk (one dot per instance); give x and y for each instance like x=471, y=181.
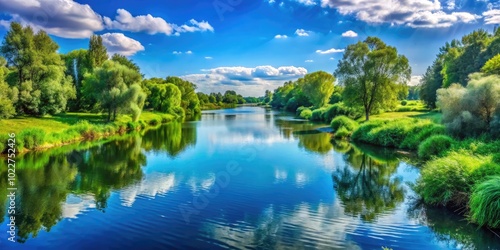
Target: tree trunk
x=109, y=114
x=367, y=115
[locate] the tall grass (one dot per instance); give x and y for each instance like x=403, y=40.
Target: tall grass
x=436, y=145
x=32, y=138
x=485, y=203
x=343, y=126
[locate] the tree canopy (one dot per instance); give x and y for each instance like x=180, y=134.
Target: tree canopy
x=373, y=74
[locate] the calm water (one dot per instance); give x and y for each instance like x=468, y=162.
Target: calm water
x=245, y=178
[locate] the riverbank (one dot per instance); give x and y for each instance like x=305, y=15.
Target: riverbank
x=38, y=133
x=460, y=174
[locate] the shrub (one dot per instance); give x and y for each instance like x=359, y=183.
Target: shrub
x=178, y=111
x=337, y=109
x=32, y=137
x=299, y=110
x=446, y=181
x=132, y=126
x=404, y=102
x=435, y=145
x=3, y=142
x=143, y=124
x=343, y=121
x=342, y=132
x=306, y=114
x=485, y=203
x=484, y=171
x=420, y=133
x=154, y=122
x=317, y=114
x=496, y=158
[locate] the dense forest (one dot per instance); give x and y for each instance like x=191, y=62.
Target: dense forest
x=36, y=80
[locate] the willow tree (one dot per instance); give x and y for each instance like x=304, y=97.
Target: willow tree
x=318, y=87
x=373, y=74
x=116, y=88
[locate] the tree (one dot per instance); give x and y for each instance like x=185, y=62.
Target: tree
x=38, y=71
x=97, y=53
x=492, y=66
x=164, y=97
x=77, y=65
x=126, y=62
x=116, y=88
x=318, y=87
x=371, y=72
x=8, y=95
x=190, y=102
x=268, y=97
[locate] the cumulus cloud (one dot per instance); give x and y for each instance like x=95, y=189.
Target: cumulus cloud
x=329, y=51
x=413, y=13
x=118, y=43
x=350, y=33
x=152, y=25
x=302, y=32
x=307, y=2
x=250, y=81
x=189, y=52
x=177, y=52
x=492, y=17
x=281, y=36
x=415, y=80
x=208, y=57
x=63, y=18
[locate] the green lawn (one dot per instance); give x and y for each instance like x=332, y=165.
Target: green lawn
x=434, y=116
x=59, y=123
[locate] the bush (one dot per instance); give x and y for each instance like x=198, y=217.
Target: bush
x=32, y=137
x=485, y=203
x=435, y=145
x=496, y=158
x=143, y=124
x=446, y=181
x=484, y=171
x=404, y=102
x=3, y=142
x=154, y=122
x=344, y=121
x=306, y=114
x=317, y=114
x=420, y=133
x=342, y=132
x=178, y=111
x=132, y=126
x=299, y=110
x=337, y=109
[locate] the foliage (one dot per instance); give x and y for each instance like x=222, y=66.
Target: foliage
x=32, y=138
x=163, y=96
x=189, y=99
x=97, y=53
x=306, y=114
x=492, y=66
x=446, y=180
x=318, y=87
x=373, y=75
x=116, y=89
x=343, y=126
x=472, y=110
x=420, y=133
x=435, y=145
x=485, y=203
x=8, y=95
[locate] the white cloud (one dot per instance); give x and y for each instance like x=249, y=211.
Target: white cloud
x=302, y=32
x=272, y=1
x=413, y=13
x=309, y=61
x=189, y=52
x=63, y=18
x=350, y=33
x=414, y=81
x=492, y=17
x=331, y=58
x=208, y=57
x=248, y=81
x=120, y=44
x=281, y=36
x=330, y=51
x=177, y=52
x=307, y=2
x=152, y=25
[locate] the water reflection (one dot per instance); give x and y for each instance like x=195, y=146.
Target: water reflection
x=367, y=186
x=172, y=138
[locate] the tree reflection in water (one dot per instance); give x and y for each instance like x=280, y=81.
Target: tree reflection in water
x=366, y=186
x=172, y=138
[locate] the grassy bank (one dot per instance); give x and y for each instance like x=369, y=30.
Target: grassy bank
x=51, y=131
x=461, y=174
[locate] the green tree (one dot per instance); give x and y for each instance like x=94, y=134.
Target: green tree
x=318, y=87
x=492, y=66
x=125, y=61
x=371, y=72
x=190, y=102
x=8, y=95
x=116, y=88
x=77, y=65
x=97, y=53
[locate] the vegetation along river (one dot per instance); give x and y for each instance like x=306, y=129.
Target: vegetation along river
x=237, y=178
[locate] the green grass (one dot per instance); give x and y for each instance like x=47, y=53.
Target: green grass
x=433, y=116
x=39, y=132
x=485, y=203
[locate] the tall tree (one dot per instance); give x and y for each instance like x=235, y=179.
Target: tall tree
x=125, y=61
x=318, y=87
x=116, y=88
x=8, y=95
x=190, y=102
x=371, y=72
x=97, y=53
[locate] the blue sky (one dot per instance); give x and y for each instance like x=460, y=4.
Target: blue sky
x=250, y=45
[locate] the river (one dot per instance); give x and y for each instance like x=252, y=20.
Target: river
x=244, y=178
